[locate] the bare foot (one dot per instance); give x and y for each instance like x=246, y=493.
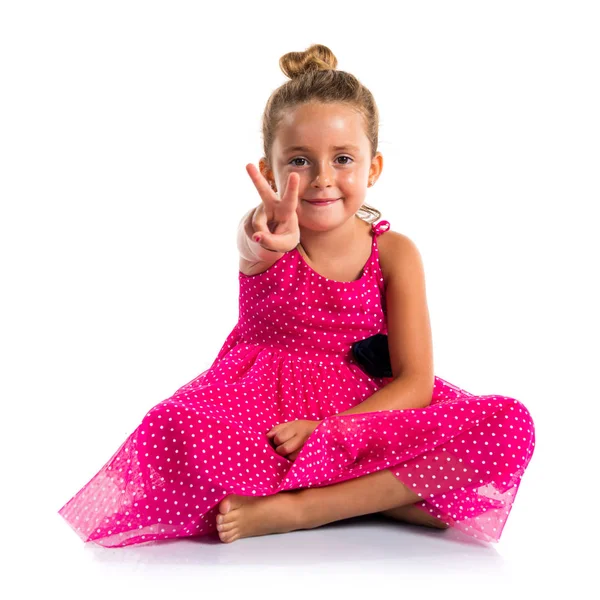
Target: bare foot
x=414, y=515
x=245, y=516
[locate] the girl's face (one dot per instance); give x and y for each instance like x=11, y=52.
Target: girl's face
x=327, y=146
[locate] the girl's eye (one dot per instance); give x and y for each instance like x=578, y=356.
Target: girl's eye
x=293, y=161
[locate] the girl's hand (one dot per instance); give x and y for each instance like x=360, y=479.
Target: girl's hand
x=289, y=437
x=275, y=220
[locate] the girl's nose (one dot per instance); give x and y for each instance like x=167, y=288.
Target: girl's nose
x=323, y=178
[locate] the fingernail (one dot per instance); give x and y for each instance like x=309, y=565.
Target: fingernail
x=256, y=238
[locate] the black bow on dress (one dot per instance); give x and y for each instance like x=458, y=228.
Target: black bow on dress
x=373, y=355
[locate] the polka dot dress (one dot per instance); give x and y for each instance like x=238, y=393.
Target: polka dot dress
x=290, y=357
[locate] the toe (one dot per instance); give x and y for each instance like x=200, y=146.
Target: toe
x=224, y=506
x=229, y=518
x=229, y=503
x=228, y=536
x=224, y=527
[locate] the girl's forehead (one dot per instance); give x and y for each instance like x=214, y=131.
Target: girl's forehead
x=330, y=124
x=328, y=113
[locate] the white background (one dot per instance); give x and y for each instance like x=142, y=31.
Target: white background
x=125, y=128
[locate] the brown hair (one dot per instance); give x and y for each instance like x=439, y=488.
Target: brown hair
x=314, y=78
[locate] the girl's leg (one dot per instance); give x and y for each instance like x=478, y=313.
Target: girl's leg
x=306, y=508
x=412, y=514
x=377, y=492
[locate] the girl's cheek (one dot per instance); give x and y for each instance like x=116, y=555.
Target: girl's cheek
x=350, y=179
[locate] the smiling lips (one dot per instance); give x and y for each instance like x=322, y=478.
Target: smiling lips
x=322, y=202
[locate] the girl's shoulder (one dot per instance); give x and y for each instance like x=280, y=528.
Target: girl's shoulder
x=395, y=249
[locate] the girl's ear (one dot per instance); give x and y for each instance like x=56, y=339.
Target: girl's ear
x=265, y=171
x=376, y=167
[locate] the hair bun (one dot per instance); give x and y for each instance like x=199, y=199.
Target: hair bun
x=315, y=58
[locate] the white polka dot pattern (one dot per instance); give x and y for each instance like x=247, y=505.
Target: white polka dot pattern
x=290, y=357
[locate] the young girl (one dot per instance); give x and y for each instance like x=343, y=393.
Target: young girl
x=290, y=428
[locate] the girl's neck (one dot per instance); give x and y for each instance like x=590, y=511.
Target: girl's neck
x=327, y=246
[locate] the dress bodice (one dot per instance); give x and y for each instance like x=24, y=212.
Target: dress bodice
x=292, y=306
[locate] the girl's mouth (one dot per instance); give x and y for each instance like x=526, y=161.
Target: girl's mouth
x=321, y=202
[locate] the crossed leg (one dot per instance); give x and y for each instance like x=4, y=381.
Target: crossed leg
x=414, y=515
x=380, y=492
x=306, y=508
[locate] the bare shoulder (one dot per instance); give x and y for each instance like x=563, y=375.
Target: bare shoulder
x=398, y=254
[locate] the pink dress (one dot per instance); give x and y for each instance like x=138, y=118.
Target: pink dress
x=290, y=357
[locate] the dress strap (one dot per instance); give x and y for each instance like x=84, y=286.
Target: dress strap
x=380, y=227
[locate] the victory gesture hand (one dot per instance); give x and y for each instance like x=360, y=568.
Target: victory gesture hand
x=275, y=220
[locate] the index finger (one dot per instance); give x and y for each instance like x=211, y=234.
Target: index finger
x=264, y=189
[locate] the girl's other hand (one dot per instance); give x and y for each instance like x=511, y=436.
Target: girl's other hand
x=275, y=220
x=288, y=438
